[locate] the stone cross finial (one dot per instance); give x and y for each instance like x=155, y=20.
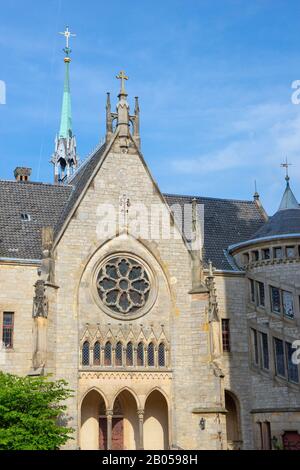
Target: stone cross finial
x=122, y=76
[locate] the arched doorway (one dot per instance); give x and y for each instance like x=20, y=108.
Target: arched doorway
x=156, y=422
x=233, y=427
x=125, y=425
x=93, y=431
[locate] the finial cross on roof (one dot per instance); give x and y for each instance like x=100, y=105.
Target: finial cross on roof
x=286, y=166
x=67, y=33
x=122, y=76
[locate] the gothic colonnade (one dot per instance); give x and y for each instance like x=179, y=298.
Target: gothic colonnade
x=124, y=425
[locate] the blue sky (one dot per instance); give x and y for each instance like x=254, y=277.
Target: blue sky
x=213, y=76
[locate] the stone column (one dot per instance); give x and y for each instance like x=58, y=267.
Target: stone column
x=141, y=429
x=109, y=416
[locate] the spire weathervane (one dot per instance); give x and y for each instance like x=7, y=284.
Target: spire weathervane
x=67, y=33
x=122, y=76
x=286, y=166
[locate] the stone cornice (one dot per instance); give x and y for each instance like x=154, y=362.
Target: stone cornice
x=126, y=375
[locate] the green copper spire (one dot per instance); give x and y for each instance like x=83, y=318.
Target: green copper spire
x=66, y=112
x=64, y=158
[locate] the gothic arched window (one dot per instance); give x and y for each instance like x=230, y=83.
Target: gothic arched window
x=97, y=354
x=86, y=354
x=119, y=354
x=161, y=355
x=107, y=354
x=151, y=361
x=140, y=354
x=129, y=354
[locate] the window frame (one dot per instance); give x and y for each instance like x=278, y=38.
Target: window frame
x=226, y=340
x=258, y=285
x=275, y=339
x=271, y=300
x=8, y=328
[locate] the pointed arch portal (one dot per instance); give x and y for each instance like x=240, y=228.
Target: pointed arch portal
x=156, y=422
x=126, y=426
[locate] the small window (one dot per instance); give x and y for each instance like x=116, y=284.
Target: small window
x=25, y=217
x=261, y=293
x=252, y=290
x=266, y=254
x=279, y=357
x=246, y=258
x=151, y=362
x=255, y=255
x=140, y=354
x=129, y=354
x=290, y=252
x=97, y=354
x=265, y=351
x=8, y=330
x=255, y=357
x=275, y=300
x=278, y=253
x=108, y=354
x=161, y=355
x=119, y=354
x=86, y=354
x=293, y=372
x=225, y=335
x=288, y=304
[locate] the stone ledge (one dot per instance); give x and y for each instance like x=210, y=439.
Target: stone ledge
x=275, y=410
x=209, y=410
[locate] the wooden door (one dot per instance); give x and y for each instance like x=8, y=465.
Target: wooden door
x=103, y=434
x=117, y=434
x=291, y=440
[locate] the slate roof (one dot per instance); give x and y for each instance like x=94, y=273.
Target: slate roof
x=42, y=202
x=284, y=222
x=225, y=221
x=78, y=183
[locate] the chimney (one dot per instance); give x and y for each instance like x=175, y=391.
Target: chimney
x=22, y=174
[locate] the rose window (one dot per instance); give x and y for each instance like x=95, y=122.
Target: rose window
x=123, y=285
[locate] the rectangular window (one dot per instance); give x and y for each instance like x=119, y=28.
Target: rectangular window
x=278, y=252
x=246, y=258
x=288, y=304
x=265, y=351
x=8, y=329
x=293, y=372
x=226, y=335
x=275, y=300
x=266, y=253
x=252, y=291
x=279, y=357
x=255, y=357
x=255, y=255
x=261, y=293
x=290, y=251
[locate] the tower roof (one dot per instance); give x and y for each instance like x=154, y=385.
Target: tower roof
x=288, y=200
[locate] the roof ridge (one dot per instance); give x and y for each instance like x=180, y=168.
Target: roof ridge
x=36, y=183
x=246, y=201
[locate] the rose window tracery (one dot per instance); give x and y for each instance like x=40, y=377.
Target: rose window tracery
x=123, y=285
